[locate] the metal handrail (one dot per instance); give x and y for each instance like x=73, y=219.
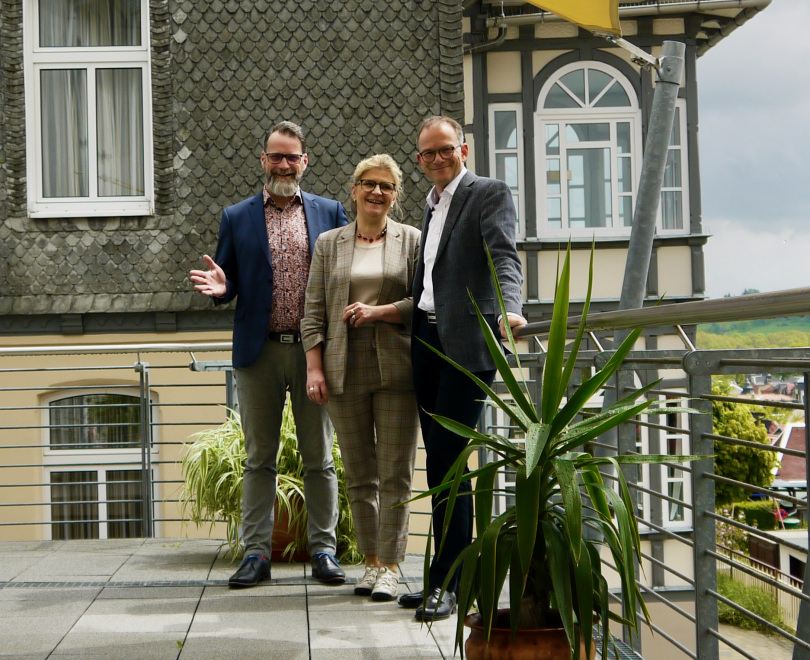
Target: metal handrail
x=791, y=302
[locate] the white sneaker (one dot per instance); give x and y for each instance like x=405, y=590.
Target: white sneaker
x=367, y=582
x=385, y=588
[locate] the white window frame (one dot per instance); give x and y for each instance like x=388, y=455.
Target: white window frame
x=567, y=116
x=92, y=58
x=517, y=108
x=94, y=460
x=681, y=476
x=680, y=105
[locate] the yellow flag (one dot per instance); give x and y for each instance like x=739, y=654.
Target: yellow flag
x=593, y=15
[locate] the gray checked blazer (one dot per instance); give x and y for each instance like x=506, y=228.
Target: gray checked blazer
x=328, y=294
x=481, y=211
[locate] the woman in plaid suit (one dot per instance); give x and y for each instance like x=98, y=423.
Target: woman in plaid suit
x=356, y=332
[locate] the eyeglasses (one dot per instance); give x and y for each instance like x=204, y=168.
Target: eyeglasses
x=429, y=155
x=292, y=159
x=369, y=186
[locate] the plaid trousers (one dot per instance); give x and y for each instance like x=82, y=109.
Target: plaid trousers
x=377, y=430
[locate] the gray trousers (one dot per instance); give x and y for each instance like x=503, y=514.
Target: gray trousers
x=262, y=388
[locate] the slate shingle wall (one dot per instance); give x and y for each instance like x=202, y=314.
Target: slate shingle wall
x=359, y=75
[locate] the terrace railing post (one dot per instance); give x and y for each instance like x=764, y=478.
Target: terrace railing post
x=803, y=622
x=706, y=619
x=627, y=445
x=147, y=496
x=231, y=400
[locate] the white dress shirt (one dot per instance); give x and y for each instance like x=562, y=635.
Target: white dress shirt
x=439, y=205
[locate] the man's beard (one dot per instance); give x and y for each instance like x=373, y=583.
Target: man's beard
x=283, y=187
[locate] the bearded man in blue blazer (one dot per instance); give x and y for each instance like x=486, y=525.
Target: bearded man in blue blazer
x=463, y=213
x=262, y=259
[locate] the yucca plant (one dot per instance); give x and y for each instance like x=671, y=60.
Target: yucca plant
x=212, y=490
x=554, y=570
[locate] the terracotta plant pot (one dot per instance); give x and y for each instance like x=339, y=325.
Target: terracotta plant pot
x=543, y=644
x=283, y=536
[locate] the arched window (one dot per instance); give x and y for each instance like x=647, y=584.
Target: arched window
x=93, y=462
x=588, y=145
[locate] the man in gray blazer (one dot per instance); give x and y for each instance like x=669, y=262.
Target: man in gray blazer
x=463, y=212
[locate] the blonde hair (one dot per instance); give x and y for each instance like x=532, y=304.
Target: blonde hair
x=380, y=162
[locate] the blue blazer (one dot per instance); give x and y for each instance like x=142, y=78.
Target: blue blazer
x=244, y=255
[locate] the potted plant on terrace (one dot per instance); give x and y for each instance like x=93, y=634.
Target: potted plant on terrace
x=212, y=490
x=554, y=570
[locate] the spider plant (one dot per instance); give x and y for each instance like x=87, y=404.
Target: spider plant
x=554, y=570
x=212, y=492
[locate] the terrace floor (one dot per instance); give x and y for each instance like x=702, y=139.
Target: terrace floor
x=169, y=599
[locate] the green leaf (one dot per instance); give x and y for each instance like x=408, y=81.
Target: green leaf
x=536, y=438
x=527, y=507
x=517, y=415
x=583, y=577
x=553, y=387
x=571, y=362
x=572, y=503
x=496, y=353
x=558, y=559
x=484, y=487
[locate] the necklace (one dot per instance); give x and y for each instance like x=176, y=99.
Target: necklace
x=371, y=239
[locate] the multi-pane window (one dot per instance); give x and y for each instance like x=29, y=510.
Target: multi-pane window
x=676, y=484
x=94, y=463
x=87, y=79
x=587, y=132
x=674, y=203
x=506, y=152
x=95, y=421
x=96, y=504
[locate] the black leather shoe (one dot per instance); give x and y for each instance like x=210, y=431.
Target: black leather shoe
x=435, y=608
x=411, y=601
x=254, y=569
x=326, y=569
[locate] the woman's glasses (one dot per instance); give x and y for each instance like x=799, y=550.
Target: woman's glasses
x=369, y=186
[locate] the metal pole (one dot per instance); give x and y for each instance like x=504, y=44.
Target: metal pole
x=656, y=150
x=803, y=622
x=146, y=451
x=704, y=535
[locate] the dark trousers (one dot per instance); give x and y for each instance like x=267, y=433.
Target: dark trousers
x=444, y=390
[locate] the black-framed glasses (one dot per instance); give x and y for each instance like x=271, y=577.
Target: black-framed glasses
x=429, y=155
x=368, y=186
x=292, y=159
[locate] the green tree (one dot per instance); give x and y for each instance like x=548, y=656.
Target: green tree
x=753, y=466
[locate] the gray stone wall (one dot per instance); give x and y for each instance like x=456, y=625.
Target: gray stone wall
x=359, y=75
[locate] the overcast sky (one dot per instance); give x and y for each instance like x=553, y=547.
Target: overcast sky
x=754, y=95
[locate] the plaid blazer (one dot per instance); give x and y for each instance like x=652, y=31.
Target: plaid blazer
x=328, y=295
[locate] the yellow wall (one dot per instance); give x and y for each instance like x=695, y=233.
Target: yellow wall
x=187, y=402
x=675, y=271
x=608, y=269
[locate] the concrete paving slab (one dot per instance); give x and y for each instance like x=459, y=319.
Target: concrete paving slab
x=24, y=643
x=206, y=647
x=103, y=546
x=170, y=615
x=73, y=564
x=377, y=654
x=50, y=595
x=351, y=622
x=272, y=588
x=146, y=593
x=274, y=618
x=120, y=646
x=14, y=566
